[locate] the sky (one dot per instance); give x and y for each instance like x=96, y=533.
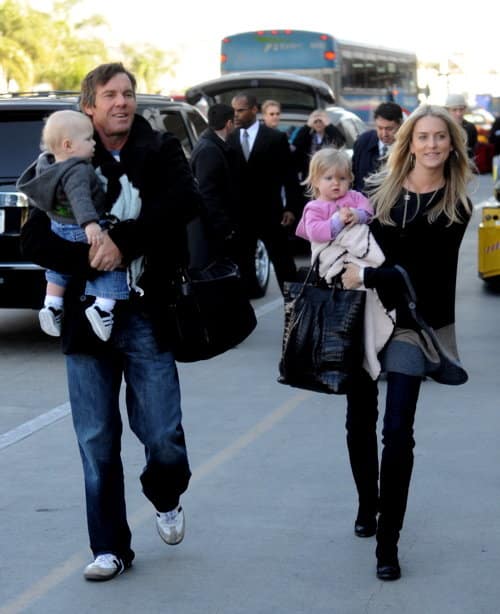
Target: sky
x=193, y=28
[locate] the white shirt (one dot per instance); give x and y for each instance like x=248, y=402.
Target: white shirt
x=252, y=134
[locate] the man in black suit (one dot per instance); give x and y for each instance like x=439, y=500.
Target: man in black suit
x=212, y=163
x=264, y=167
x=457, y=107
x=371, y=147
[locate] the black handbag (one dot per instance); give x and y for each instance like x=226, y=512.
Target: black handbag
x=449, y=371
x=323, y=335
x=210, y=312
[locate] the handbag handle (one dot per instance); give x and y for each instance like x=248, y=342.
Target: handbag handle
x=411, y=298
x=315, y=267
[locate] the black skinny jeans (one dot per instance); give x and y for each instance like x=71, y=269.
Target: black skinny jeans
x=397, y=453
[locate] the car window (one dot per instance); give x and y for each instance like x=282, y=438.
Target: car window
x=174, y=122
x=290, y=99
x=19, y=142
x=198, y=123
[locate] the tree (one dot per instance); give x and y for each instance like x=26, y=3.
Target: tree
x=38, y=47
x=148, y=64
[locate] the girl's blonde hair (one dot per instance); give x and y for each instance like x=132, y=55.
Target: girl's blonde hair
x=321, y=162
x=384, y=188
x=60, y=125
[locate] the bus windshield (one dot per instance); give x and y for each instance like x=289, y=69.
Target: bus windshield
x=277, y=50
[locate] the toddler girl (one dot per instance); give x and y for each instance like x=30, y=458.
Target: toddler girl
x=334, y=205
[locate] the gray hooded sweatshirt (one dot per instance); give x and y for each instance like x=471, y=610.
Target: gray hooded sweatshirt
x=69, y=192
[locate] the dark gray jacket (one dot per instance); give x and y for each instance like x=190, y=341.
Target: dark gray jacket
x=69, y=192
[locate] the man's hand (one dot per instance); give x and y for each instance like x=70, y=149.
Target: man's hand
x=288, y=218
x=107, y=256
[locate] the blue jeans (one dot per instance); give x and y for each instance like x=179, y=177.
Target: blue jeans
x=108, y=284
x=154, y=415
x=397, y=454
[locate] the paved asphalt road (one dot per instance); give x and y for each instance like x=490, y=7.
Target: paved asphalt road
x=271, y=504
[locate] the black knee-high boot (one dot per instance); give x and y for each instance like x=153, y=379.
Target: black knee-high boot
x=396, y=469
x=361, y=427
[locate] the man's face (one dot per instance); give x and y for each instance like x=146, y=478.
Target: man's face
x=386, y=130
x=457, y=113
x=244, y=115
x=115, y=106
x=271, y=116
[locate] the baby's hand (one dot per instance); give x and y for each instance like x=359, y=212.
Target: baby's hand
x=94, y=233
x=348, y=216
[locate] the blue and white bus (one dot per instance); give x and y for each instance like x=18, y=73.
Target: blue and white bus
x=360, y=75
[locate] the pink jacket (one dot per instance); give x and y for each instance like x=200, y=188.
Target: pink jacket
x=315, y=223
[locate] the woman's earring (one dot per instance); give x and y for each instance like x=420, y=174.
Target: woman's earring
x=412, y=160
x=456, y=153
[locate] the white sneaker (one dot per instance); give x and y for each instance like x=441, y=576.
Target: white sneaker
x=101, y=321
x=50, y=321
x=105, y=567
x=171, y=525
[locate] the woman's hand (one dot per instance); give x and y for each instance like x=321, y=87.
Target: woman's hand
x=350, y=276
x=107, y=256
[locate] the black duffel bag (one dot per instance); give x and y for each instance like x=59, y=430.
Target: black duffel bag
x=210, y=312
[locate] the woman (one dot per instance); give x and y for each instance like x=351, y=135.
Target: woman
x=319, y=132
x=421, y=213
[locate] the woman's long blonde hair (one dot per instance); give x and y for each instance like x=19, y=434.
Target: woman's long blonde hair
x=384, y=188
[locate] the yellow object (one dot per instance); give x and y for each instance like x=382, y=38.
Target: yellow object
x=489, y=243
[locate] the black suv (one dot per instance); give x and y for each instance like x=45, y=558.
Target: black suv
x=22, y=283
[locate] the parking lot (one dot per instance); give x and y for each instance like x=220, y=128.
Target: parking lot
x=271, y=504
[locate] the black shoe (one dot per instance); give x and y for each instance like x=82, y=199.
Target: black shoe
x=364, y=529
x=365, y=525
x=388, y=570
x=387, y=553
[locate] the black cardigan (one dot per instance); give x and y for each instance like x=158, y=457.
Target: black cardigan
x=429, y=253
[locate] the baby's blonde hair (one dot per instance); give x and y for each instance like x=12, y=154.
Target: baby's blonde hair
x=60, y=125
x=323, y=160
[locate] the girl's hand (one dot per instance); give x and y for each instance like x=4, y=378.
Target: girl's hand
x=348, y=216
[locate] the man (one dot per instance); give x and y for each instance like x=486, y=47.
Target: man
x=133, y=158
x=371, y=147
x=271, y=113
x=494, y=136
x=264, y=166
x=212, y=162
x=457, y=107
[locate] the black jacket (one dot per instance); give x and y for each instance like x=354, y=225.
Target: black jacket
x=365, y=158
x=429, y=253
x=471, y=132
x=157, y=167
x=302, y=144
x=260, y=179
x=494, y=137
x=213, y=165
